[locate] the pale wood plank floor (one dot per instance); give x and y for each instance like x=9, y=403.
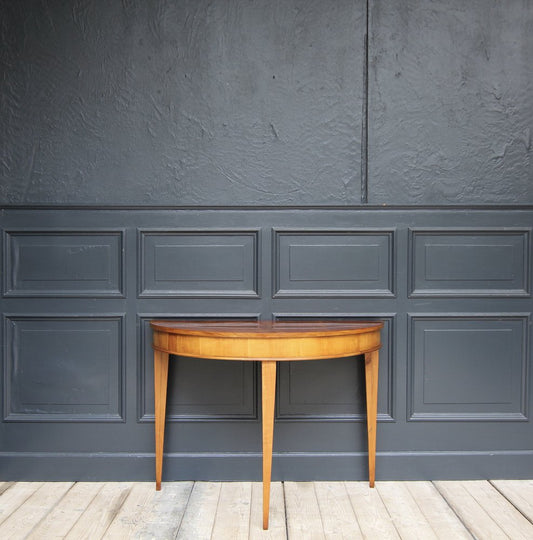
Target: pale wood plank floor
x=299, y=510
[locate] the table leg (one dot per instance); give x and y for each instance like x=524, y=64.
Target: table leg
x=268, y=368
x=371, y=376
x=160, y=398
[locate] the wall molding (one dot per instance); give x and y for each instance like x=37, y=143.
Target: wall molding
x=284, y=285
x=190, y=284
x=88, y=412
x=502, y=411
x=489, y=286
x=69, y=254
x=293, y=466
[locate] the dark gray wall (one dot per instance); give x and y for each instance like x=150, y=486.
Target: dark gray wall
x=182, y=102
x=277, y=160
x=451, y=113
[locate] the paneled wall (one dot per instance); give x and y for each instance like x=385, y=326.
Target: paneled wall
x=452, y=286
x=266, y=159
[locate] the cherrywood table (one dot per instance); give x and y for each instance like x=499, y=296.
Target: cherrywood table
x=268, y=343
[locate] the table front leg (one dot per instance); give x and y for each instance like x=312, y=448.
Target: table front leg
x=160, y=398
x=371, y=376
x=268, y=373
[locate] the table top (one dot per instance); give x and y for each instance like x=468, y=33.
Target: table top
x=266, y=329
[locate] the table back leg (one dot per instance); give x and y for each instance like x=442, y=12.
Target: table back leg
x=371, y=376
x=268, y=369
x=160, y=397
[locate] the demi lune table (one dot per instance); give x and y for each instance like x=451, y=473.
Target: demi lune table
x=268, y=343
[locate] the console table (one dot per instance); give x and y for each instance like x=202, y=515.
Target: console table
x=268, y=343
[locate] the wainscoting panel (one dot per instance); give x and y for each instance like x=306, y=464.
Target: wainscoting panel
x=63, y=263
x=63, y=369
x=198, y=263
x=333, y=263
x=469, y=367
x=470, y=263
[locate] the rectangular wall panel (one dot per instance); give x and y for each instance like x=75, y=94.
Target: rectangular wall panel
x=199, y=264
x=470, y=263
x=334, y=389
x=468, y=368
x=66, y=263
x=333, y=263
x=199, y=389
x=63, y=369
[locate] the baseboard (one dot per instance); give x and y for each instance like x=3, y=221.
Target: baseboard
x=32, y=466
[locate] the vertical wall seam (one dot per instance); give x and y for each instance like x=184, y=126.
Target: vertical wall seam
x=364, y=123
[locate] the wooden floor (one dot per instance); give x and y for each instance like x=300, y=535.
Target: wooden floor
x=299, y=510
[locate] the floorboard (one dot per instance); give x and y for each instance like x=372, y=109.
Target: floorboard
x=165, y=513
x=232, y=519
x=508, y=518
x=406, y=515
x=99, y=515
x=200, y=513
x=298, y=510
x=133, y=513
x=475, y=517
x=21, y=522
x=437, y=511
x=519, y=493
x=303, y=512
x=64, y=515
x=338, y=517
x=14, y=497
x=372, y=515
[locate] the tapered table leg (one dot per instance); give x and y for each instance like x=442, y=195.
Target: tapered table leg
x=268, y=369
x=160, y=397
x=371, y=376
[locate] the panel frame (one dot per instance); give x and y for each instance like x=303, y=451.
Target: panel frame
x=254, y=292
x=521, y=416
x=10, y=292
x=470, y=293
x=279, y=292
x=120, y=417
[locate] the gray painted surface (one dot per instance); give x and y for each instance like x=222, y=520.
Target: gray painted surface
x=450, y=108
x=455, y=373
x=189, y=102
x=157, y=118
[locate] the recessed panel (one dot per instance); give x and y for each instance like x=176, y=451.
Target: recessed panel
x=468, y=368
x=199, y=264
x=44, y=263
x=334, y=264
x=334, y=389
x=198, y=388
x=485, y=263
x=63, y=369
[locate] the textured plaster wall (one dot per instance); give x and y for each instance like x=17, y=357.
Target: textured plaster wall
x=179, y=102
x=234, y=102
x=451, y=102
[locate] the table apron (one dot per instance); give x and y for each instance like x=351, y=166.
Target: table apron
x=257, y=348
